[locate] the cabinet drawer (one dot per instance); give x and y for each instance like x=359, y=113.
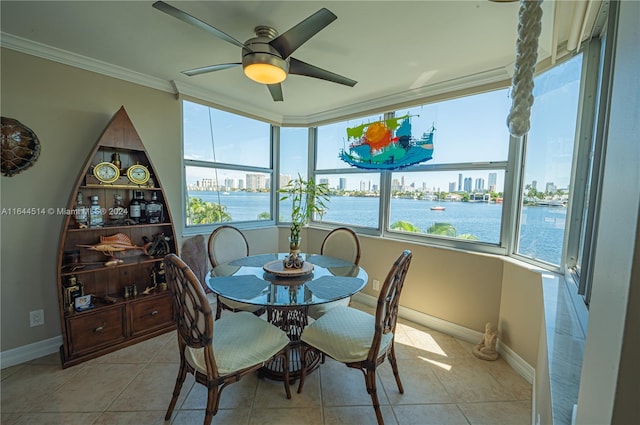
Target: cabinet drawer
x=151, y=314
x=90, y=330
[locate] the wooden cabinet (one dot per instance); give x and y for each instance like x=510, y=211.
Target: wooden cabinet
x=116, y=257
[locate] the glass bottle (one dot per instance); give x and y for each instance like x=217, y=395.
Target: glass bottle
x=154, y=210
x=95, y=213
x=139, y=195
x=134, y=209
x=117, y=213
x=81, y=211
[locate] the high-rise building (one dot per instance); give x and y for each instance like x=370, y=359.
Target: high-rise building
x=452, y=186
x=479, y=184
x=460, y=182
x=493, y=181
x=256, y=181
x=467, y=184
x=342, y=185
x=284, y=180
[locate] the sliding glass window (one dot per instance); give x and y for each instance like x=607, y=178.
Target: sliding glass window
x=227, y=167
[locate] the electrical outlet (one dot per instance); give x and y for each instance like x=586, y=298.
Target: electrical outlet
x=36, y=318
x=376, y=285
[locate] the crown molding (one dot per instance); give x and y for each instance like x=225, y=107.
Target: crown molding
x=410, y=97
x=54, y=54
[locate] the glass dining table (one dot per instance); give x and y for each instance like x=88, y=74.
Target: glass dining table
x=287, y=294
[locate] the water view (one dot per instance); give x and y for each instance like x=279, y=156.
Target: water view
x=542, y=227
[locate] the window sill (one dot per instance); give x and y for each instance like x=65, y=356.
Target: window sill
x=565, y=340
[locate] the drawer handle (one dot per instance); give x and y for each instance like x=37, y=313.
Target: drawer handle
x=154, y=312
x=98, y=329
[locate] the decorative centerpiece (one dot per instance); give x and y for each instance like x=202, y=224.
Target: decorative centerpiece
x=307, y=198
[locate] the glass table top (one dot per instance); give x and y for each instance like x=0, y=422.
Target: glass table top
x=245, y=280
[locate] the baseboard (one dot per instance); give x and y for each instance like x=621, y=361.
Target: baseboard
x=29, y=352
x=523, y=368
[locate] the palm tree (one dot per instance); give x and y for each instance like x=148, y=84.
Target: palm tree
x=405, y=226
x=202, y=212
x=442, y=229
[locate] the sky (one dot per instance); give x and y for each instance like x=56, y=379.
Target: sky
x=467, y=130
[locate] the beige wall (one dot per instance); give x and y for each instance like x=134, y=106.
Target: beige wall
x=68, y=109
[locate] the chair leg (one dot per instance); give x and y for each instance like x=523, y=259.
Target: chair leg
x=394, y=365
x=213, y=398
x=182, y=373
x=370, y=378
x=287, y=387
x=218, y=308
x=303, y=366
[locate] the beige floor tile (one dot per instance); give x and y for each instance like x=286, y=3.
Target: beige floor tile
x=306, y=416
x=343, y=386
x=223, y=417
x=237, y=395
x=8, y=371
x=418, y=380
x=499, y=413
x=69, y=418
x=360, y=415
x=469, y=380
x=134, y=386
x=153, y=417
x=271, y=393
x=429, y=414
x=92, y=392
x=151, y=389
x=25, y=390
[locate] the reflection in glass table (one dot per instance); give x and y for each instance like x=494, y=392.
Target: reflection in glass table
x=287, y=295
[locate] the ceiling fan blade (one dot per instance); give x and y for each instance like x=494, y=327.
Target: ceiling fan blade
x=210, y=68
x=287, y=42
x=302, y=68
x=276, y=92
x=185, y=17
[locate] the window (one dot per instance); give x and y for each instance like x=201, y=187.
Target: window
x=549, y=147
x=225, y=183
x=294, y=157
x=355, y=193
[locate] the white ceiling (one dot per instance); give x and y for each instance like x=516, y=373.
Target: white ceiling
x=398, y=51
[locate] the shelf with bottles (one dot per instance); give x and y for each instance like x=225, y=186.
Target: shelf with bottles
x=114, y=286
x=84, y=267
x=101, y=207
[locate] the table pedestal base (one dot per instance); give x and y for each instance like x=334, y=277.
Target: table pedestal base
x=292, y=320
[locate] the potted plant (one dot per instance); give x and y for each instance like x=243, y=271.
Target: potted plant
x=307, y=198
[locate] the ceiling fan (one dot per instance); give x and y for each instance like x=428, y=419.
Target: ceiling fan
x=266, y=58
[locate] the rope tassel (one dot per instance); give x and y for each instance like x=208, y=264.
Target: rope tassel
x=529, y=27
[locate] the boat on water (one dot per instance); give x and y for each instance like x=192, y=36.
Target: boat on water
x=438, y=208
x=386, y=144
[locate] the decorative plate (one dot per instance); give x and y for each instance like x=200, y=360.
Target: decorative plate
x=20, y=147
x=277, y=268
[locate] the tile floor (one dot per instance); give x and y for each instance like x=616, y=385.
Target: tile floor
x=444, y=384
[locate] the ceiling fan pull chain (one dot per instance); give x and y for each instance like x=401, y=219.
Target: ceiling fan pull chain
x=529, y=27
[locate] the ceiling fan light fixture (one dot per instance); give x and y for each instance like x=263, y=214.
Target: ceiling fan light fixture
x=264, y=67
x=265, y=73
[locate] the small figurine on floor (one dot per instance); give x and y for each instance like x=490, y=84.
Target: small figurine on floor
x=486, y=349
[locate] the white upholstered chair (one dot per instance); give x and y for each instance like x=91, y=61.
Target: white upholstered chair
x=342, y=243
x=358, y=339
x=221, y=352
x=227, y=243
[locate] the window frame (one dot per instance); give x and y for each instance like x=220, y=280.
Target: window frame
x=195, y=229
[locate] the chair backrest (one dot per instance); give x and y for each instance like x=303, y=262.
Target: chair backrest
x=226, y=243
x=193, y=312
x=342, y=243
x=388, y=301
x=194, y=254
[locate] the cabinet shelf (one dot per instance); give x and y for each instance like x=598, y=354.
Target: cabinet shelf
x=92, y=268
x=110, y=326
x=118, y=227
